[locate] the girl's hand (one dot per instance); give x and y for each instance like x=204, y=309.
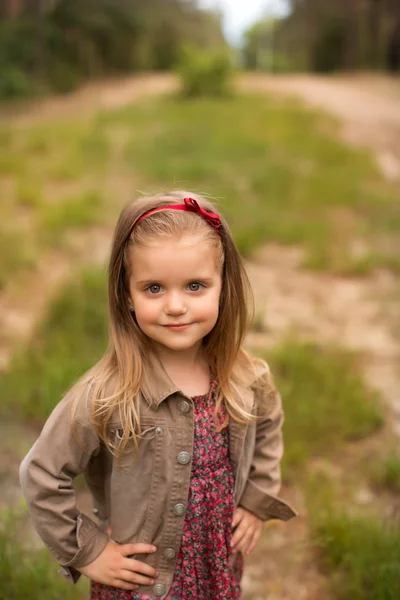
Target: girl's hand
x=113, y=567
x=247, y=532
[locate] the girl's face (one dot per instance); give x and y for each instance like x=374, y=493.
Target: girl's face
x=175, y=285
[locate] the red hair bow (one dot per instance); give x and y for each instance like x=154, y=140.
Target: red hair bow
x=212, y=218
x=191, y=205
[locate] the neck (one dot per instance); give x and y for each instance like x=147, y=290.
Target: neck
x=189, y=370
x=188, y=360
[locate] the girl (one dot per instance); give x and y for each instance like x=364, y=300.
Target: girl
x=177, y=429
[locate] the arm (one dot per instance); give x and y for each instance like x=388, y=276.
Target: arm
x=264, y=481
x=46, y=477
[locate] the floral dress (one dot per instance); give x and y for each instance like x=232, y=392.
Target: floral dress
x=205, y=568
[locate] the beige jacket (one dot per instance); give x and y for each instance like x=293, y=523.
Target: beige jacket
x=145, y=501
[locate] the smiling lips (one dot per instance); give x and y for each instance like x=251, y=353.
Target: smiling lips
x=177, y=326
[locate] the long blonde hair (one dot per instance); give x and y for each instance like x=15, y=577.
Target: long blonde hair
x=122, y=368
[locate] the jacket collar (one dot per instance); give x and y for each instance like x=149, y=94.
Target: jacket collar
x=156, y=383
x=157, y=386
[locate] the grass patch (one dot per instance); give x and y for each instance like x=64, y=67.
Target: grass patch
x=326, y=402
x=77, y=212
x=14, y=253
x=29, y=194
x=386, y=473
x=69, y=340
x=276, y=167
x=361, y=554
x=27, y=574
x=43, y=157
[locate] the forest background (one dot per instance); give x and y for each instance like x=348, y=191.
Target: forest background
x=56, y=45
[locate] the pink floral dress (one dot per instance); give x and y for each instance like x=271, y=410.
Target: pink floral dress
x=206, y=568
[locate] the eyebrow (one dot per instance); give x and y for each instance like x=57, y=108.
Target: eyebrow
x=155, y=280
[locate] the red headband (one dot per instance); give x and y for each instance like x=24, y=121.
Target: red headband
x=191, y=205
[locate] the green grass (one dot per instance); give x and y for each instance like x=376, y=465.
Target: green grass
x=386, y=472
x=326, y=406
x=15, y=254
x=71, y=213
x=70, y=339
x=361, y=554
x=35, y=163
x=277, y=168
x=27, y=574
x=325, y=400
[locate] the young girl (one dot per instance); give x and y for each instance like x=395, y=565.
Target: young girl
x=177, y=429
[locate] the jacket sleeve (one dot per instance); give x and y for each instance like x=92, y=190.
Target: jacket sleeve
x=46, y=476
x=264, y=481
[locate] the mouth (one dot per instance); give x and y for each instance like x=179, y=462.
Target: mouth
x=177, y=326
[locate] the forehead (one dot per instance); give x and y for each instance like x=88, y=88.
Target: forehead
x=187, y=256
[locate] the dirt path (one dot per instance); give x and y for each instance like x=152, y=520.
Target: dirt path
x=360, y=314
x=95, y=96
x=368, y=107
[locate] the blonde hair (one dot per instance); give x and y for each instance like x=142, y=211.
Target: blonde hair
x=122, y=368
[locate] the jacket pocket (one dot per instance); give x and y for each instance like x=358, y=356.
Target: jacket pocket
x=134, y=484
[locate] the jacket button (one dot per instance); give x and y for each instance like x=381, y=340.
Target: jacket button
x=184, y=406
x=183, y=458
x=179, y=509
x=95, y=511
x=169, y=553
x=159, y=589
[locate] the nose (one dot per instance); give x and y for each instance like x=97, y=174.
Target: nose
x=174, y=304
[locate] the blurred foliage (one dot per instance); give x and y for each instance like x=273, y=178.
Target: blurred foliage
x=259, y=50
x=362, y=552
x=327, y=36
x=386, y=472
x=27, y=574
x=205, y=73
x=69, y=340
x=325, y=399
x=276, y=157
x=56, y=46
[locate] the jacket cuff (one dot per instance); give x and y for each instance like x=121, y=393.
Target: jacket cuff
x=91, y=543
x=264, y=506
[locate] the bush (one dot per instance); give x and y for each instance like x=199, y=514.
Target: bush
x=205, y=73
x=14, y=83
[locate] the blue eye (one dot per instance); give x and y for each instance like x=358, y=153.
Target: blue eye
x=194, y=286
x=154, y=289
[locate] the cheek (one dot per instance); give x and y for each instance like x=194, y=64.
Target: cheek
x=145, y=311
x=210, y=308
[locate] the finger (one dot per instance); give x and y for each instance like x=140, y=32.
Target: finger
x=131, y=577
x=137, y=566
x=119, y=583
x=253, y=541
x=128, y=549
x=237, y=517
x=238, y=533
x=244, y=543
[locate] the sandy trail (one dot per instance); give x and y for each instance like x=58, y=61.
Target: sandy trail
x=368, y=107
